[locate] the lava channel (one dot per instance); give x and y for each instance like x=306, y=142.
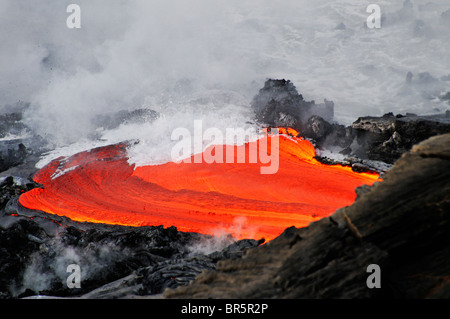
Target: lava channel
x=100, y=186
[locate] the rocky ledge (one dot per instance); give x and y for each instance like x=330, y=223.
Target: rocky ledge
x=400, y=224
x=371, y=138
x=115, y=261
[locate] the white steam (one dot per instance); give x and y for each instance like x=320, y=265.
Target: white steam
x=224, y=236
x=48, y=268
x=202, y=59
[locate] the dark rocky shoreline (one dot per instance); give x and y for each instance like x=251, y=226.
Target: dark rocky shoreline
x=400, y=223
x=115, y=261
x=368, y=139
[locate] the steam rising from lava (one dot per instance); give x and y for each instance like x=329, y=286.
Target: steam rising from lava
x=177, y=56
x=101, y=186
x=203, y=60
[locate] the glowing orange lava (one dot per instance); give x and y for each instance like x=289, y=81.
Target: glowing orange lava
x=100, y=186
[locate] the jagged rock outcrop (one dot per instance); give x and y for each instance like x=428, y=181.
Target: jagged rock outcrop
x=400, y=224
x=278, y=103
x=20, y=148
x=116, y=261
x=383, y=138
x=10, y=188
x=12, y=153
x=113, y=120
x=386, y=138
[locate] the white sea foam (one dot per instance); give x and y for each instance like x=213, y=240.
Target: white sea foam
x=202, y=59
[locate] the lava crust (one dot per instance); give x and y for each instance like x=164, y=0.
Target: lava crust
x=101, y=186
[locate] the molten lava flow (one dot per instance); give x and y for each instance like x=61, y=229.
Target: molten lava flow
x=100, y=186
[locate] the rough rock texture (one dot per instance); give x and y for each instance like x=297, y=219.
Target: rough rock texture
x=278, y=103
x=10, y=188
x=36, y=253
x=12, y=150
x=401, y=224
x=20, y=148
x=113, y=120
x=116, y=261
x=11, y=154
x=382, y=138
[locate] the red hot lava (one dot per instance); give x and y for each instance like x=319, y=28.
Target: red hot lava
x=100, y=186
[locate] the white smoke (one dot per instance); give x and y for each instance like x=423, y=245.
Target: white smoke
x=48, y=268
x=224, y=236
x=206, y=59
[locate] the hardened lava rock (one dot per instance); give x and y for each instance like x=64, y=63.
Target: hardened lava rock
x=279, y=104
x=376, y=138
x=400, y=224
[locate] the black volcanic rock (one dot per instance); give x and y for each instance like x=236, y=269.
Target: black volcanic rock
x=113, y=120
x=400, y=224
x=373, y=138
x=317, y=128
x=386, y=138
x=12, y=151
x=19, y=146
x=279, y=104
x=35, y=254
x=9, y=189
x=11, y=154
x=115, y=261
